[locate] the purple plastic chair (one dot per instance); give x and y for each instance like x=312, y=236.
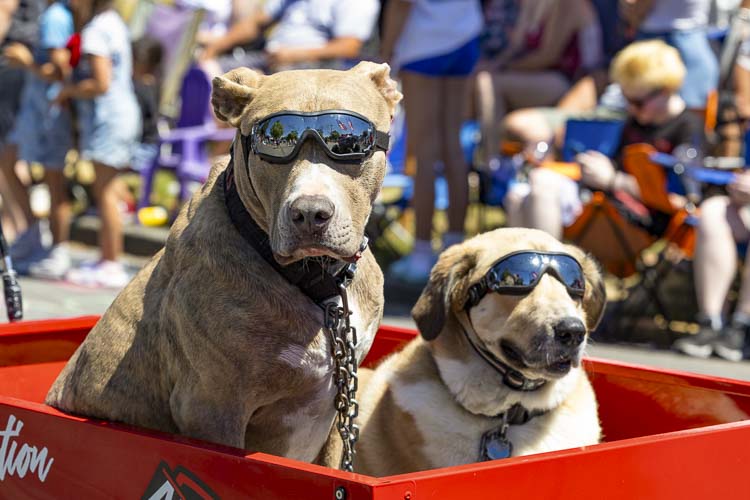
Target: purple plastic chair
x=189, y=139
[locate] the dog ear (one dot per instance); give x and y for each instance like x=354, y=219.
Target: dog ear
x=380, y=74
x=595, y=298
x=233, y=92
x=446, y=291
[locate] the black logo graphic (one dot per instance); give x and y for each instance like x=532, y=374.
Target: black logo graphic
x=178, y=484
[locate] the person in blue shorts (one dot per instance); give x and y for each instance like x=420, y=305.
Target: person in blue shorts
x=109, y=123
x=434, y=46
x=43, y=133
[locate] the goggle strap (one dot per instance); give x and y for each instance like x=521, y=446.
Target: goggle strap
x=476, y=292
x=382, y=140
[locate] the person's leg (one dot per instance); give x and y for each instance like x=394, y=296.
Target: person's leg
x=528, y=125
x=454, y=99
x=17, y=206
x=701, y=64
x=60, y=208
x=714, y=268
x=525, y=89
x=542, y=207
x=731, y=343
x=421, y=98
x=486, y=111
x=58, y=262
x=715, y=261
x=107, y=192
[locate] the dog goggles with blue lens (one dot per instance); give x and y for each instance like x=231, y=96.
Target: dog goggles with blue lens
x=519, y=272
x=344, y=135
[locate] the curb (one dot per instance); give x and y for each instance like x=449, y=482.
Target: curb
x=139, y=240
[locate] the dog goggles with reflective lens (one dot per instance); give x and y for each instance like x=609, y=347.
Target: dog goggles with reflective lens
x=519, y=272
x=345, y=135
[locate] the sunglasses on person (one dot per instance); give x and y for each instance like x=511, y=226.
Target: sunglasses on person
x=641, y=102
x=519, y=273
x=345, y=135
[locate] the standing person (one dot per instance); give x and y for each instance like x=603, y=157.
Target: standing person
x=19, y=24
x=434, y=46
x=109, y=123
x=42, y=132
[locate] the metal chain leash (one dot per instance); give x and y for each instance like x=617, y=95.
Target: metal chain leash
x=343, y=344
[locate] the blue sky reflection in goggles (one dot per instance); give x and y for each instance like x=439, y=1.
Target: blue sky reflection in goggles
x=518, y=273
x=344, y=135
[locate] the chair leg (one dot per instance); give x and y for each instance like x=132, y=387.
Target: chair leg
x=148, y=181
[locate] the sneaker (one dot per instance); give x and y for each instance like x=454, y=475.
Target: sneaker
x=414, y=269
x=104, y=274
x=700, y=345
x=731, y=343
x=53, y=267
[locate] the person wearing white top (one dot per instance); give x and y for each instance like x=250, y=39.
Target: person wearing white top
x=434, y=46
x=306, y=33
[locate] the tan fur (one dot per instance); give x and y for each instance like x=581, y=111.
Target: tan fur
x=208, y=340
x=429, y=405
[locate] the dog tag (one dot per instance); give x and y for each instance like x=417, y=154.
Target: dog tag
x=495, y=445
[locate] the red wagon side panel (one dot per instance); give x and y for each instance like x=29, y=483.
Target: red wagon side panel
x=670, y=435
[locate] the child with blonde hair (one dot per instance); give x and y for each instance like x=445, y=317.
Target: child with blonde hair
x=650, y=75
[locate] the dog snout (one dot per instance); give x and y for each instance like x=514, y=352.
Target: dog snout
x=570, y=332
x=311, y=213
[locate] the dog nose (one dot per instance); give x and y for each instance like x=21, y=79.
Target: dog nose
x=570, y=331
x=311, y=212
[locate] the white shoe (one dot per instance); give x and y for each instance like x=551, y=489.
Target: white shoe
x=104, y=274
x=53, y=267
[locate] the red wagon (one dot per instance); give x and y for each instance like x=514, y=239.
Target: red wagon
x=668, y=435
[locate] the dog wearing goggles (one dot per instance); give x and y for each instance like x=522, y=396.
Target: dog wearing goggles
x=497, y=371
x=210, y=340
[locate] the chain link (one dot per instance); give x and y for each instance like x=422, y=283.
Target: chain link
x=343, y=344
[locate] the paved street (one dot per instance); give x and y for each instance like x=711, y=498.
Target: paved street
x=45, y=299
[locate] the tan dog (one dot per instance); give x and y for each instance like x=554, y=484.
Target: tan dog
x=208, y=340
x=430, y=405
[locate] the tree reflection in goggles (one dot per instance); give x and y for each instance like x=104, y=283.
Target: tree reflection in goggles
x=519, y=273
x=345, y=135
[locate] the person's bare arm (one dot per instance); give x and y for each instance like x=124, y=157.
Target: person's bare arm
x=396, y=14
x=742, y=90
x=98, y=84
x=7, y=8
x=338, y=48
x=245, y=30
x=19, y=56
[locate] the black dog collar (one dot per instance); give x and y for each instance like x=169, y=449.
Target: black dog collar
x=511, y=377
x=318, y=278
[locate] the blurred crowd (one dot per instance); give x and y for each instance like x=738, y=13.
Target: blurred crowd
x=101, y=78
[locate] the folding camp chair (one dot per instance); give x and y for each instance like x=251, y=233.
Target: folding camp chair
x=648, y=296
x=184, y=149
